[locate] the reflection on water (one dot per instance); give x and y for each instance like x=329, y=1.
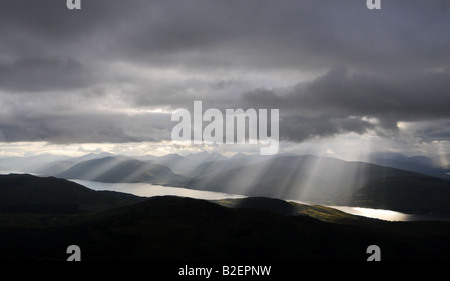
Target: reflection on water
x=375, y=213
x=388, y=215
x=149, y=190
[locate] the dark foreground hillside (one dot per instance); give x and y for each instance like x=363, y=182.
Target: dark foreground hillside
x=173, y=228
x=22, y=193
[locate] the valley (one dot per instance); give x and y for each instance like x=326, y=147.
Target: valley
x=172, y=228
x=305, y=178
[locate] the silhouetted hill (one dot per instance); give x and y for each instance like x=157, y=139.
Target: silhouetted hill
x=183, y=229
x=291, y=209
x=122, y=169
x=261, y=203
x=31, y=194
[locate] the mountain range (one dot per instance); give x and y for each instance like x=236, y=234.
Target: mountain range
x=435, y=167
x=329, y=181
x=407, y=184
x=122, y=170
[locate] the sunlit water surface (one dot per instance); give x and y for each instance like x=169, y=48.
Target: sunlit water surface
x=150, y=190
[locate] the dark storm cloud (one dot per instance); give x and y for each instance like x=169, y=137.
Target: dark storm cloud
x=390, y=65
x=432, y=131
x=235, y=33
x=298, y=129
x=410, y=97
x=85, y=128
x=48, y=27
x=340, y=95
x=40, y=74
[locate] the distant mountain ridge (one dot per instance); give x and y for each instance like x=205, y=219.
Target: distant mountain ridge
x=289, y=177
x=327, y=181
x=418, y=164
x=307, y=178
x=48, y=165
x=121, y=169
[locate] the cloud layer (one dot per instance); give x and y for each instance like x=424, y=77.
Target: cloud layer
x=112, y=71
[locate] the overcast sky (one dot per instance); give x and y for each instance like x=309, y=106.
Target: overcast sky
x=110, y=74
